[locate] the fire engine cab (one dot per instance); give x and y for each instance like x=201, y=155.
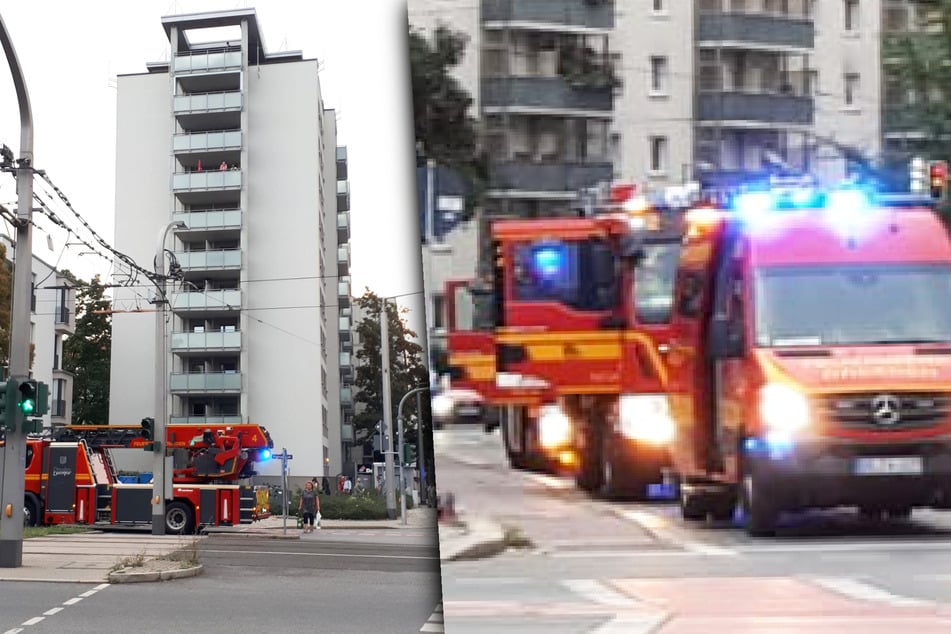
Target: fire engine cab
x=810, y=359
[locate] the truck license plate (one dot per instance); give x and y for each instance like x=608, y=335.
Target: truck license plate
x=904, y=465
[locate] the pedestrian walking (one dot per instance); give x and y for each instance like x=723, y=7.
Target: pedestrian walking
x=347, y=486
x=309, y=507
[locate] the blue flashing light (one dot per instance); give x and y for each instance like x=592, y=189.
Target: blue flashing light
x=549, y=261
x=848, y=210
x=803, y=197
x=265, y=454
x=752, y=205
x=776, y=445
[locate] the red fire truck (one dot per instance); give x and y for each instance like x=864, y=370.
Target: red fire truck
x=575, y=341
x=71, y=477
x=811, y=359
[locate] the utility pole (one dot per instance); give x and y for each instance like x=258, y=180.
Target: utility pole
x=160, y=460
x=13, y=455
x=420, y=448
x=387, y=408
x=399, y=418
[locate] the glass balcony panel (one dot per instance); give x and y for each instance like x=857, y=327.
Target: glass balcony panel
x=210, y=259
x=226, y=218
x=207, y=101
x=343, y=253
x=344, y=323
x=200, y=141
x=343, y=289
x=550, y=12
x=206, y=420
x=206, y=180
x=207, y=299
x=205, y=340
x=205, y=382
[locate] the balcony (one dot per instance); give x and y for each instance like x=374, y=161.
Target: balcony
x=586, y=14
x=208, y=71
x=215, y=301
x=64, y=324
x=343, y=293
x=548, y=178
x=217, y=142
x=768, y=109
x=198, y=188
x=184, y=342
x=205, y=382
x=209, y=110
x=206, y=420
x=205, y=261
x=544, y=93
x=343, y=325
x=738, y=30
x=343, y=259
x=224, y=223
x=343, y=227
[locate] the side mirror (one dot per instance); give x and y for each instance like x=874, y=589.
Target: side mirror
x=725, y=343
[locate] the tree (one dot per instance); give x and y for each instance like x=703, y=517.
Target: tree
x=87, y=353
x=407, y=369
x=917, y=81
x=444, y=130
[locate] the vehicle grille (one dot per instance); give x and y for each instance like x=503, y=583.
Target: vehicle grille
x=916, y=410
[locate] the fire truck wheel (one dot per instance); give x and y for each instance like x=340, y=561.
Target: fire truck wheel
x=179, y=519
x=761, y=512
x=31, y=511
x=589, y=474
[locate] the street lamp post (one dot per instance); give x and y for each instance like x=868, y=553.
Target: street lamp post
x=159, y=462
x=387, y=407
x=13, y=454
x=399, y=420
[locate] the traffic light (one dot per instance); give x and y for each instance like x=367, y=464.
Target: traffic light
x=8, y=399
x=409, y=454
x=42, y=399
x=28, y=393
x=938, y=179
x=148, y=432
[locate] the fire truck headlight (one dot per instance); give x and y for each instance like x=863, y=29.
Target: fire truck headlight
x=646, y=417
x=783, y=408
x=554, y=427
x=442, y=406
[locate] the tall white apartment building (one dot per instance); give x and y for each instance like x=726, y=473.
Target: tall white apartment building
x=234, y=141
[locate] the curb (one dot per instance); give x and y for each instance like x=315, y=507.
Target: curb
x=252, y=534
x=120, y=576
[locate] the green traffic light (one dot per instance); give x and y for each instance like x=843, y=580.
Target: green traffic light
x=27, y=406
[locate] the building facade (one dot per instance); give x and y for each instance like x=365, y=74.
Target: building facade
x=234, y=142
x=52, y=321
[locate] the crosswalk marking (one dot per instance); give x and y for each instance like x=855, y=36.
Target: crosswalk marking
x=435, y=621
x=865, y=591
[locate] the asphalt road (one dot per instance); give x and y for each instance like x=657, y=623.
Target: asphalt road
x=598, y=566
x=249, y=585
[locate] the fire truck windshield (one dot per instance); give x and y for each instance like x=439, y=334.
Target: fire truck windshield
x=852, y=305
x=654, y=277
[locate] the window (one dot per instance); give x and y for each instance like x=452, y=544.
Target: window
x=690, y=299
x=439, y=308
x=654, y=279
x=659, y=6
x=851, y=88
x=658, y=158
x=658, y=74
x=577, y=274
x=851, y=15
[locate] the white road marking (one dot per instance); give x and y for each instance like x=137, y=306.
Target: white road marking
x=597, y=592
x=551, y=482
x=617, y=554
x=632, y=624
x=33, y=621
x=52, y=611
x=88, y=593
x=866, y=592
x=664, y=531
x=435, y=621
x=15, y=630
x=73, y=601
x=101, y=586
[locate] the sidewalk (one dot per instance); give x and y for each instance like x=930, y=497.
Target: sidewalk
x=90, y=557
x=471, y=537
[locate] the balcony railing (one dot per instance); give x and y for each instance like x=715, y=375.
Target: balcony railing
x=343, y=288
x=759, y=30
x=219, y=60
x=201, y=141
x=580, y=13
x=206, y=420
x=181, y=341
x=343, y=324
x=548, y=177
x=760, y=108
x=214, y=300
x=343, y=226
x=202, y=260
x=343, y=253
x=206, y=102
x=205, y=382
x=224, y=219
x=222, y=179
x=544, y=92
